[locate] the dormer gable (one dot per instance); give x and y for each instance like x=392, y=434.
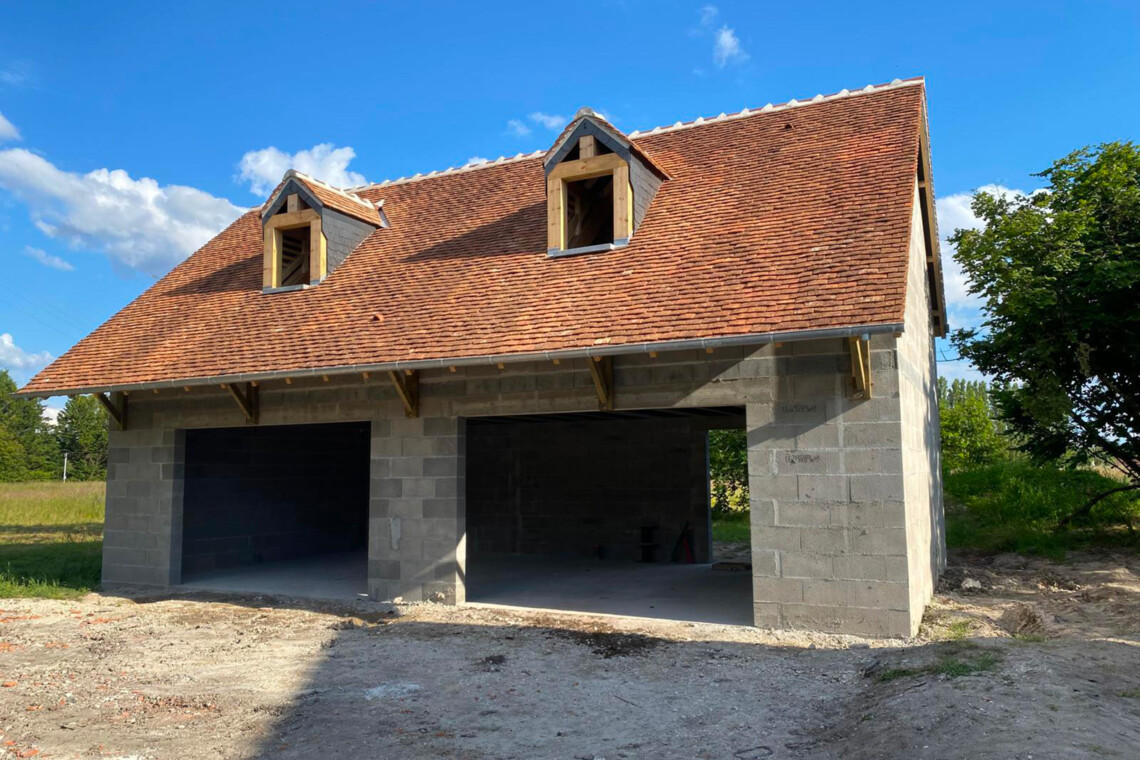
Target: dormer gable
x=599, y=185
x=309, y=229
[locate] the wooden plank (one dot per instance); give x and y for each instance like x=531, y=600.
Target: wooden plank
x=555, y=202
x=587, y=146
x=301, y=218
x=318, y=252
x=584, y=168
x=602, y=373
x=622, y=204
x=116, y=408
x=246, y=400
x=292, y=203
x=860, y=350
x=271, y=264
x=408, y=389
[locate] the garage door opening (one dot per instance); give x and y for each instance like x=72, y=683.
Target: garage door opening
x=605, y=512
x=277, y=510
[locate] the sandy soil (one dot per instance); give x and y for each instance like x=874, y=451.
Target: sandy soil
x=233, y=677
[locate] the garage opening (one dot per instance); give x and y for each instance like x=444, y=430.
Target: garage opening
x=605, y=512
x=277, y=510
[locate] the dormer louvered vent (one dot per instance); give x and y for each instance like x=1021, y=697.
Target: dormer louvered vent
x=309, y=229
x=598, y=187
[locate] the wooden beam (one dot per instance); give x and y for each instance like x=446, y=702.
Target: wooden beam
x=623, y=204
x=247, y=400
x=116, y=407
x=296, y=219
x=860, y=349
x=602, y=372
x=587, y=146
x=408, y=389
x=555, y=203
x=584, y=168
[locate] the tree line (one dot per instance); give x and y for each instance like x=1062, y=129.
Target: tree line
x=31, y=448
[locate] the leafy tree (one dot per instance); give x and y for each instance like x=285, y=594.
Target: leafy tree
x=24, y=420
x=728, y=470
x=82, y=432
x=1059, y=276
x=970, y=433
x=13, y=458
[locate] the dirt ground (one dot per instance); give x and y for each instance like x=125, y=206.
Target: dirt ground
x=249, y=677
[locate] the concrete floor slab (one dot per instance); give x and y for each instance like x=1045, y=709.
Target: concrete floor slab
x=664, y=591
x=342, y=576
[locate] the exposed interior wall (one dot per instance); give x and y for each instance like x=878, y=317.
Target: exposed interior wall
x=918, y=396
x=259, y=494
x=582, y=487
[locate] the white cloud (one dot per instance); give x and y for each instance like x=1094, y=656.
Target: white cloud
x=51, y=414
x=517, y=128
x=16, y=74
x=139, y=224
x=17, y=359
x=476, y=160
x=550, y=121
x=263, y=169
x=727, y=48
x=954, y=213
x=8, y=130
x=48, y=260
x=709, y=15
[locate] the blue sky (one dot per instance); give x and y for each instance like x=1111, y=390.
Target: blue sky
x=129, y=133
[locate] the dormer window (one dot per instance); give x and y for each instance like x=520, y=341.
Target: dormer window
x=591, y=176
x=295, y=248
x=309, y=229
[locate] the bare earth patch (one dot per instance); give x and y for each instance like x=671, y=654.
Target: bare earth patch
x=1032, y=659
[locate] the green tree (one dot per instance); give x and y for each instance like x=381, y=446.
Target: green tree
x=1058, y=273
x=24, y=419
x=13, y=458
x=970, y=433
x=82, y=433
x=728, y=470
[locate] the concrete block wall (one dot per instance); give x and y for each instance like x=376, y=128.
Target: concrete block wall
x=829, y=534
x=832, y=532
x=585, y=488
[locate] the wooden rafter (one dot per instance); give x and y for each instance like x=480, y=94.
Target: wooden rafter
x=861, y=366
x=247, y=400
x=408, y=389
x=116, y=407
x=602, y=372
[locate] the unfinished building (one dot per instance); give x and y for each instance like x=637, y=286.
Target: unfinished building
x=496, y=383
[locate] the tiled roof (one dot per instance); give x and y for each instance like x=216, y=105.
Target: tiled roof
x=786, y=219
x=339, y=200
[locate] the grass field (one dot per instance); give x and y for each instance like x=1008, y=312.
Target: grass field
x=734, y=527
x=51, y=538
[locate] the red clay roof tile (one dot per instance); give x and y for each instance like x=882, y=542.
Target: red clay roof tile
x=789, y=220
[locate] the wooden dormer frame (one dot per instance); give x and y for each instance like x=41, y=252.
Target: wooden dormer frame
x=587, y=167
x=293, y=218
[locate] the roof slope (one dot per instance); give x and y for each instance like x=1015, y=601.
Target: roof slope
x=786, y=220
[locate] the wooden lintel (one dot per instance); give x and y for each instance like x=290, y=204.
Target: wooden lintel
x=602, y=372
x=247, y=400
x=587, y=146
x=116, y=407
x=860, y=349
x=408, y=389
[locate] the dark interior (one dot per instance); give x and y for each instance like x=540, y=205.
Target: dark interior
x=262, y=494
x=590, y=211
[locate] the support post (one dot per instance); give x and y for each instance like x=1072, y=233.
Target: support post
x=116, y=407
x=246, y=400
x=860, y=349
x=602, y=372
x=408, y=389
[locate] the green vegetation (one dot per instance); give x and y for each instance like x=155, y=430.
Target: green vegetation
x=728, y=471
x=33, y=449
x=949, y=665
x=50, y=538
x=1016, y=505
x=959, y=630
x=1058, y=274
x=734, y=527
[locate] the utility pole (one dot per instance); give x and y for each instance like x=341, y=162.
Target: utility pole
x=65, y=466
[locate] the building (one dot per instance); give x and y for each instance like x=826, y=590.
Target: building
x=522, y=358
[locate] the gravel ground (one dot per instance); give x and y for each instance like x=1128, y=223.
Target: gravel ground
x=203, y=676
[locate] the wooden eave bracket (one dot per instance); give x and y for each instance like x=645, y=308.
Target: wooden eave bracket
x=247, y=400
x=408, y=389
x=116, y=407
x=861, y=366
x=602, y=372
